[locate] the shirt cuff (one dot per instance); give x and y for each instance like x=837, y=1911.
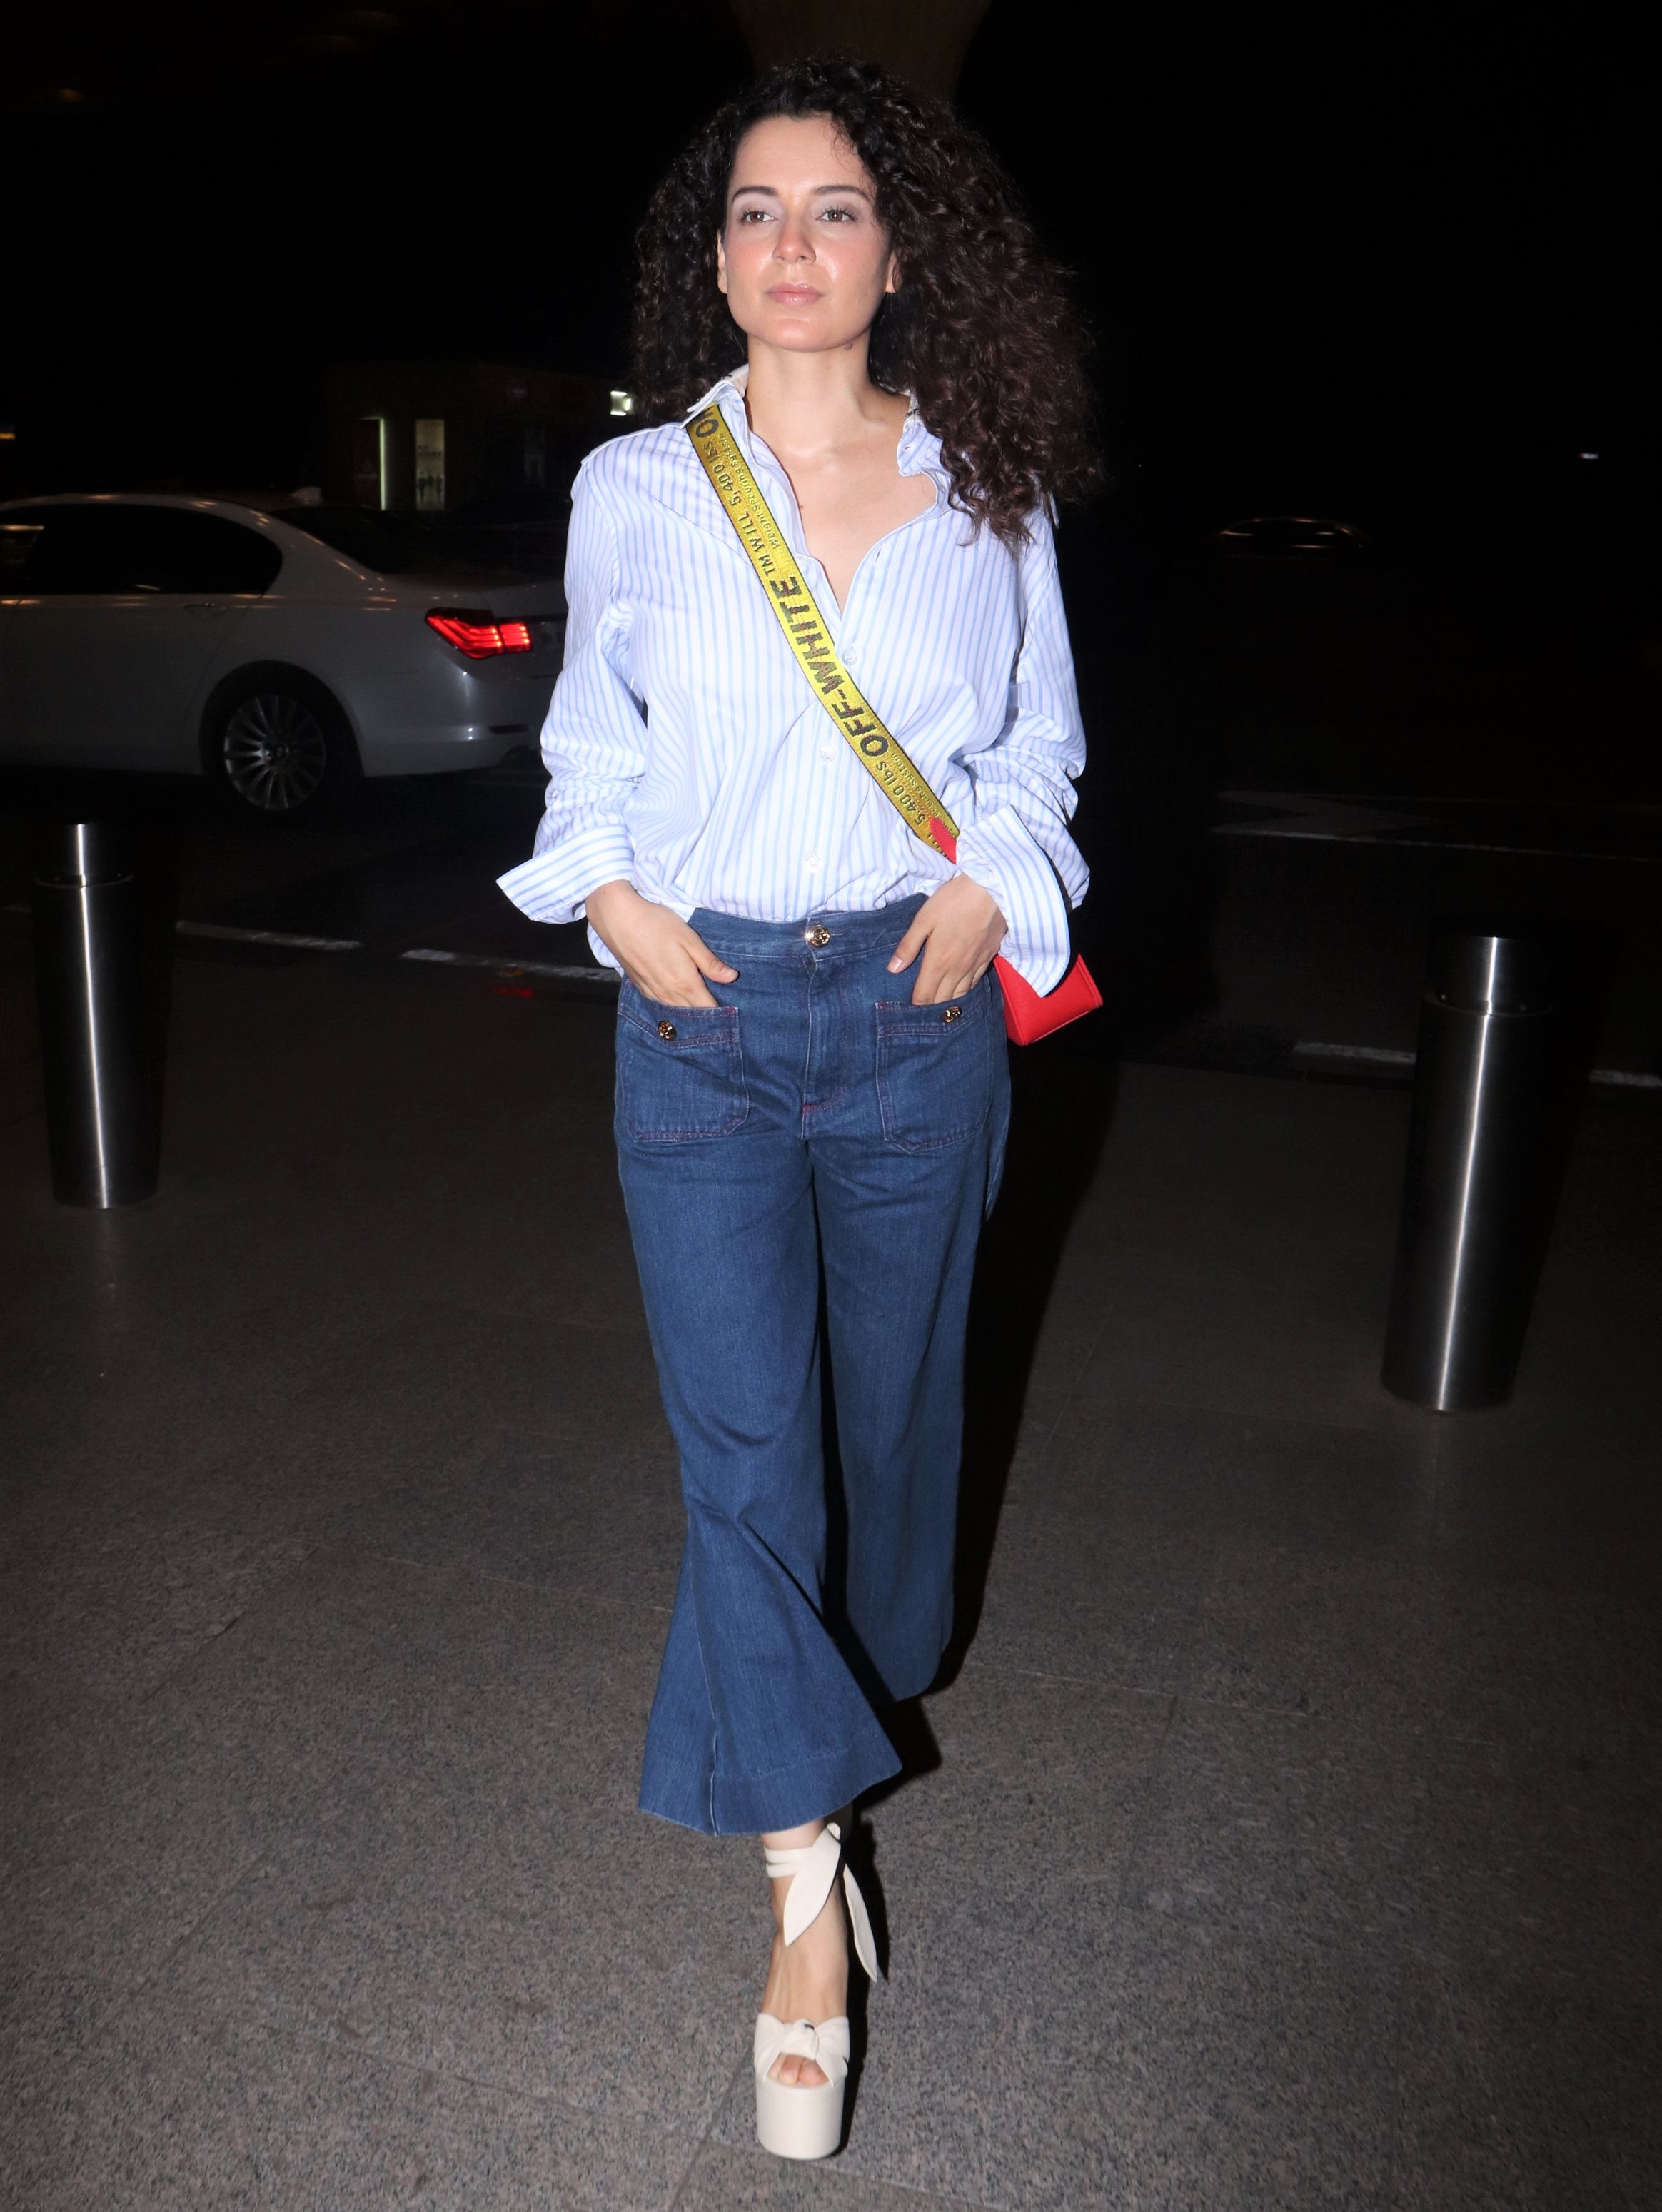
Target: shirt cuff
x=1000, y=853
x=552, y=886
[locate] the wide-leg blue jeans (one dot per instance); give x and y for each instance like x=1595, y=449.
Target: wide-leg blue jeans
x=807, y=1168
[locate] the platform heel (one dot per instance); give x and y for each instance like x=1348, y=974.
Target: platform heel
x=791, y=2121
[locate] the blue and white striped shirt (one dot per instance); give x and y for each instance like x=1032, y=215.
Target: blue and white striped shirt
x=687, y=752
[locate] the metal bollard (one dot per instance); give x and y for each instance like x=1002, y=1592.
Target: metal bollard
x=1475, y=1196
x=90, y=983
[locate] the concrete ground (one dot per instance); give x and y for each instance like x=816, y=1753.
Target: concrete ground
x=1286, y=1836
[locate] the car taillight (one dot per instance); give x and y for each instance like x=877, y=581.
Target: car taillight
x=476, y=632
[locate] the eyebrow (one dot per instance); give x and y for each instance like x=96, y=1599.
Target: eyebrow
x=774, y=192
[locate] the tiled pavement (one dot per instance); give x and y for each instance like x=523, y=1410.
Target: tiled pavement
x=1289, y=1836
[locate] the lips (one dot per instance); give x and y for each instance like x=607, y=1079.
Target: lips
x=793, y=296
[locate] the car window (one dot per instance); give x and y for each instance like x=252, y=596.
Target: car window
x=53, y=550
x=405, y=545
x=176, y=550
x=392, y=544
x=71, y=549
x=19, y=533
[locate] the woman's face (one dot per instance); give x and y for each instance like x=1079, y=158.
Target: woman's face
x=803, y=259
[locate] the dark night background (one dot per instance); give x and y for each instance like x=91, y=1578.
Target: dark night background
x=1387, y=266
x=1380, y=262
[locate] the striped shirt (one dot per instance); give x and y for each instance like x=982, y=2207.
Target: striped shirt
x=688, y=753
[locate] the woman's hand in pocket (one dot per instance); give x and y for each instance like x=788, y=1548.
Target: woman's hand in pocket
x=959, y=930
x=662, y=956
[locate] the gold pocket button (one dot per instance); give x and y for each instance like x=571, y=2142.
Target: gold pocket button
x=818, y=935
x=666, y=1031
x=952, y=1014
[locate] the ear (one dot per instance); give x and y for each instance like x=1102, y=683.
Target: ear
x=721, y=264
x=891, y=283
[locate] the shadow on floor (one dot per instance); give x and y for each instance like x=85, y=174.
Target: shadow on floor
x=1062, y=1107
x=1060, y=1111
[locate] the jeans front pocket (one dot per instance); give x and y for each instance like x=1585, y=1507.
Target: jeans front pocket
x=936, y=1069
x=680, y=1070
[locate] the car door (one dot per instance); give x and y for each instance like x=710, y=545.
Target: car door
x=112, y=617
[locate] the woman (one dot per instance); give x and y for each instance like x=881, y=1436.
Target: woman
x=811, y=1082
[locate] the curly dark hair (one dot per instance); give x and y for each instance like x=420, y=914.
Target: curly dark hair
x=980, y=328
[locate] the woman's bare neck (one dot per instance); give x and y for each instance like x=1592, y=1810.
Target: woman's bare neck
x=813, y=405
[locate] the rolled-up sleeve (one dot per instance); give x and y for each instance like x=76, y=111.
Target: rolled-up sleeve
x=1017, y=847
x=595, y=737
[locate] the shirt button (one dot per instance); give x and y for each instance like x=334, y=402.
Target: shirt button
x=811, y=864
x=828, y=752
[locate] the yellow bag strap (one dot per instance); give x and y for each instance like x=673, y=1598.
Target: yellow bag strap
x=877, y=750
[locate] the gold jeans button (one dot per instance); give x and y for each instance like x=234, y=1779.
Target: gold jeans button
x=666, y=1031
x=818, y=935
x=951, y=1014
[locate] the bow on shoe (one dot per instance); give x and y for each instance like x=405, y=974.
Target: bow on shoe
x=826, y=2045
x=813, y=1871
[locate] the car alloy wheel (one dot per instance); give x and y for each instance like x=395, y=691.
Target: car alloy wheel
x=274, y=751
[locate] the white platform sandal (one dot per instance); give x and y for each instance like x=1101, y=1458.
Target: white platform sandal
x=792, y=2121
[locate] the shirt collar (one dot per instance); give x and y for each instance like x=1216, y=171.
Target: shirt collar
x=919, y=450
x=730, y=386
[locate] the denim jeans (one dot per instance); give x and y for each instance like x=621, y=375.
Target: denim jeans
x=807, y=1168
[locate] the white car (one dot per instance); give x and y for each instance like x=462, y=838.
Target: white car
x=284, y=650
